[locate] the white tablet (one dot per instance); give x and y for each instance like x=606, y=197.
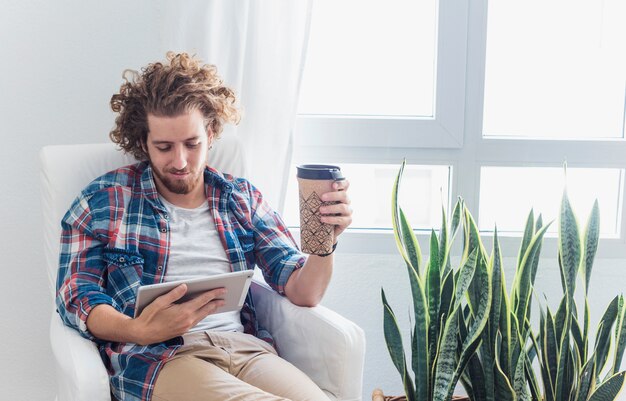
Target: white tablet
x=237, y=284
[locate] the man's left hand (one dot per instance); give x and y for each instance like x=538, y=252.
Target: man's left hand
x=340, y=214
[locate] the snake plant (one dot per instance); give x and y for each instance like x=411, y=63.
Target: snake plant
x=566, y=368
x=444, y=335
x=469, y=328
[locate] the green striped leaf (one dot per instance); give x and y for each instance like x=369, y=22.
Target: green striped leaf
x=488, y=345
x=519, y=380
x=393, y=339
x=446, y=358
x=523, y=284
x=406, y=242
x=481, y=315
x=538, y=226
x=562, y=384
x=443, y=241
x=586, y=326
x=411, y=246
x=620, y=335
x=514, y=344
x=488, y=358
x=506, y=333
x=610, y=389
x=420, y=346
x=447, y=294
x=466, y=273
x=433, y=277
x=578, y=338
x=603, y=336
x=551, y=352
x=560, y=320
x=395, y=213
x=529, y=232
x=503, y=389
x=477, y=378
x=592, y=234
x=472, y=236
x=586, y=382
x=456, y=217
x=499, y=286
x=533, y=383
x=569, y=246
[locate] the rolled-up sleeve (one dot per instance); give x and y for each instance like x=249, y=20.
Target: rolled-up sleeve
x=82, y=273
x=276, y=252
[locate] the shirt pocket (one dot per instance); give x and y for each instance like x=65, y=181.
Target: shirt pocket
x=124, y=270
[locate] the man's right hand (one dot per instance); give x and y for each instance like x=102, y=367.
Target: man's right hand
x=164, y=319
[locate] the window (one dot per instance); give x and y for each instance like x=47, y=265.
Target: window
x=510, y=105
x=564, y=78
x=368, y=69
x=374, y=74
x=503, y=189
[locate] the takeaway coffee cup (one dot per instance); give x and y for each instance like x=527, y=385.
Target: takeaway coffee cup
x=316, y=238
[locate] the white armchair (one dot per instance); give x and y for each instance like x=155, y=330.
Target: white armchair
x=324, y=345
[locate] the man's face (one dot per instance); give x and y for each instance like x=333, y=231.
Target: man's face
x=177, y=148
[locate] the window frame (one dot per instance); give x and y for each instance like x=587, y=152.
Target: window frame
x=334, y=139
x=443, y=130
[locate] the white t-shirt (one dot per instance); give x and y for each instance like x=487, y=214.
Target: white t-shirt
x=197, y=251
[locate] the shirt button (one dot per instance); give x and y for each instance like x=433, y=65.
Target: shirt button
x=160, y=268
x=163, y=230
x=122, y=259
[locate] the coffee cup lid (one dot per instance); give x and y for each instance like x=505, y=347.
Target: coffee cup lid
x=319, y=172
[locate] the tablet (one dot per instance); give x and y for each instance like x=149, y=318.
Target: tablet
x=237, y=284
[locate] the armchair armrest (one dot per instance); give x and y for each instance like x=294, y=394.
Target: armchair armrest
x=80, y=373
x=329, y=348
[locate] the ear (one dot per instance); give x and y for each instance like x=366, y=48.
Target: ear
x=144, y=146
x=210, y=136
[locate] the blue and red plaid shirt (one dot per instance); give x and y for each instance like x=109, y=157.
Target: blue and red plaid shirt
x=115, y=238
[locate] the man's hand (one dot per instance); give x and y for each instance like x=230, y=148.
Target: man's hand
x=306, y=286
x=340, y=214
x=164, y=319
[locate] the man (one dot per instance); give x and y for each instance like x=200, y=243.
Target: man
x=172, y=217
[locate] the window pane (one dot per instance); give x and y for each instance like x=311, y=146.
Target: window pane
x=369, y=57
x=507, y=195
x=555, y=69
x=423, y=190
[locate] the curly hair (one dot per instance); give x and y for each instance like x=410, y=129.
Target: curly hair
x=168, y=91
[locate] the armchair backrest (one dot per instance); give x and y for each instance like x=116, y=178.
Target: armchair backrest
x=67, y=169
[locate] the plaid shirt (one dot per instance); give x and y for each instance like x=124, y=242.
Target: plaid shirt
x=115, y=238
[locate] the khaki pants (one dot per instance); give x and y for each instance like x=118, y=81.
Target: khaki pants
x=229, y=366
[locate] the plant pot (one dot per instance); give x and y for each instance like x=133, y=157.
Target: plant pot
x=378, y=395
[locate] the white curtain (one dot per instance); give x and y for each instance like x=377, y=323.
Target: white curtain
x=258, y=47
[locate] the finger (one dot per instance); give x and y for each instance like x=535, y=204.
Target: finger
x=209, y=308
x=341, y=185
x=172, y=296
x=339, y=209
x=339, y=196
x=205, y=298
x=342, y=221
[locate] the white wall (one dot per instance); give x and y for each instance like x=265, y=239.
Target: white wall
x=60, y=62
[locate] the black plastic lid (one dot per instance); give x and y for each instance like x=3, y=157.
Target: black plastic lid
x=319, y=172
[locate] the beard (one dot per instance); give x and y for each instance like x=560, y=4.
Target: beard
x=179, y=186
